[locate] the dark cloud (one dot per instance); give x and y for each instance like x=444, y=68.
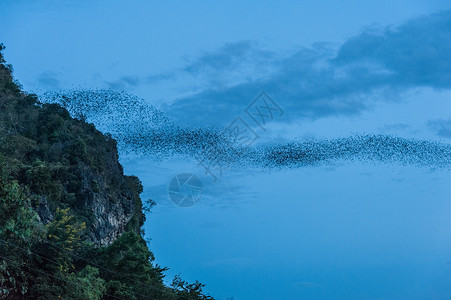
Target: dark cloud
x=415, y=54
x=441, y=127
x=316, y=82
x=124, y=82
x=152, y=79
x=228, y=57
x=131, y=80
x=313, y=82
x=49, y=80
x=210, y=66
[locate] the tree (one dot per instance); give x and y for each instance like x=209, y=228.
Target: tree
x=85, y=284
x=188, y=291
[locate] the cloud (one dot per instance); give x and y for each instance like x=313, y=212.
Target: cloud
x=152, y=79
x=416, y=53
x=49, y=80
x=229, y=57
x=223, y=67
x=441, y=127
x=318, y=81
x=124, y=82
x=230, y=65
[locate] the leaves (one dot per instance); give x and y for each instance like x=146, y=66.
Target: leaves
x=43, y=153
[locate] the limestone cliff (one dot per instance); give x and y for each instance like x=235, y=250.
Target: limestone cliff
x=70, y=220
x=78, y=165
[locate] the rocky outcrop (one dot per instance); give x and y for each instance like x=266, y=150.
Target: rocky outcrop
x=43, y=210
x=107, y=198
x=111, y=210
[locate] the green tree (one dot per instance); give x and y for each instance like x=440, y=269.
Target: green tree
x=188, y=291
x=19, y=229
x=85, y=284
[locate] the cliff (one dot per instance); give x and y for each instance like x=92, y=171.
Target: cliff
x=66, y=162
x=70, y=220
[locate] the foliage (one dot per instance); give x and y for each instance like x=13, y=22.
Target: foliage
x=19, y=229
x=185, y=290
x=88, y=278
x=43, y=154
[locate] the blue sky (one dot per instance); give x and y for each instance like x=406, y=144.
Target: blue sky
x=340, y=230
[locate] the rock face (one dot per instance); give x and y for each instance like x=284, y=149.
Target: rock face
x=108, y=198
x=112, y=211
x=43, y=210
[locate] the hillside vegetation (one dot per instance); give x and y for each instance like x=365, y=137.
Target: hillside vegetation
x=70, y=220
